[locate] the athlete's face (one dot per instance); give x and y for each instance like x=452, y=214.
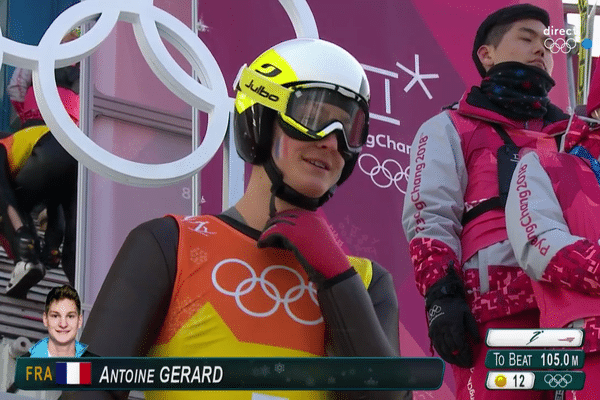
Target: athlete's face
x=524, y=43
x=62, y=321
x=310, y=167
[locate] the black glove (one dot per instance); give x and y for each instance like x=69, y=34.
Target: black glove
x=450, y=320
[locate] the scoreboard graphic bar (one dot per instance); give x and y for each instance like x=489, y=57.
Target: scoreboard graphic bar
x=510, y=380
x=526, y=366
x=535, y=380
x=534, y=359
x=534, y=338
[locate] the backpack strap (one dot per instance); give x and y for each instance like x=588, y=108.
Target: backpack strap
x=508, y=157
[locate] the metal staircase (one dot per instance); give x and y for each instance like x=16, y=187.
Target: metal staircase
x=23, y=317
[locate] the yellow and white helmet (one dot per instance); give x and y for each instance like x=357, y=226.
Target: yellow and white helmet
x=289, y=83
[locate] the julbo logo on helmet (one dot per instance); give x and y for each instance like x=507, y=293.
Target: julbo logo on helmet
x=271, y=74
x=262, y=92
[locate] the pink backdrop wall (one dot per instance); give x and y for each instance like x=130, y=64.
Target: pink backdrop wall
x=385, y=36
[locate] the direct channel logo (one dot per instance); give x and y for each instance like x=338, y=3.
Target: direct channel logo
x=566, y=42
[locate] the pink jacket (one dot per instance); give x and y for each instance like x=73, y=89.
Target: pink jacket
x=453, y=168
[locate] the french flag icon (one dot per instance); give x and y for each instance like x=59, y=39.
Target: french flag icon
x=74, y=373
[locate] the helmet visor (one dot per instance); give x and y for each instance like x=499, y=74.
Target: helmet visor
x=318, y=111
x=313, y=110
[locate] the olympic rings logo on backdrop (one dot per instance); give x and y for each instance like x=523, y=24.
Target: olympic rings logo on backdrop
x=384, y=174
x=247, y=285
x=560, y=44
x=150, y=24
x=558, y=380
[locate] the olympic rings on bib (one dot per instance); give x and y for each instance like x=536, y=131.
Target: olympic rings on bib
x=247, y=285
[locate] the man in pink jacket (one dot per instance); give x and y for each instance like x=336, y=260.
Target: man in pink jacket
x=461, y=164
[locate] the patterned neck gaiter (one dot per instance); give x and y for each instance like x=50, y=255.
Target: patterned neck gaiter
x=519, y=90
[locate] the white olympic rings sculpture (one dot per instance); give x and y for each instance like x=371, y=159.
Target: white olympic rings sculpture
x=247, y=285
x=150, y=23
x=560, y=44
x=394, y=178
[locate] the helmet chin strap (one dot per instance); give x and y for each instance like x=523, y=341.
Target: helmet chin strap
x=286, y=193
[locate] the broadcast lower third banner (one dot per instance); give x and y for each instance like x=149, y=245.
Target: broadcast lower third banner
x=310, y=373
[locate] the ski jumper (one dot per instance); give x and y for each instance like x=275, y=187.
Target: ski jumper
x=38, y=170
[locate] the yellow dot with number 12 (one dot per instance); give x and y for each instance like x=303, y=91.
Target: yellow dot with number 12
x=500, y=380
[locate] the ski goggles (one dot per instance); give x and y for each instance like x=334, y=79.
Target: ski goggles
x=312, y=111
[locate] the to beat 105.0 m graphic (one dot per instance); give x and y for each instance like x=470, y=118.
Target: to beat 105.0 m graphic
x=539, y=359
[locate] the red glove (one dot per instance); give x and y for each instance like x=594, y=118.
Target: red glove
x=311, y=239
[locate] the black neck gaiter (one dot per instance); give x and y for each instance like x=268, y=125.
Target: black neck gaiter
x=519, y=90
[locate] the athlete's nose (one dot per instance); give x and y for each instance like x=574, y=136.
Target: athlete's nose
x=330, y=142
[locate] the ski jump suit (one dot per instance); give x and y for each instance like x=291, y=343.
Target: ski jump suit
x=39, y=170
x=183, y=279
x=454, y=168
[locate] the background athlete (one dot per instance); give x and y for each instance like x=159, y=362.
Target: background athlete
x=36, y=171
